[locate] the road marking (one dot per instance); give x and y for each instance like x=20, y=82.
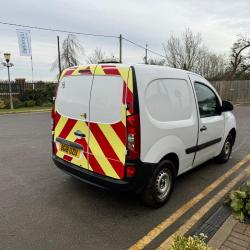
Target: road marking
x=151, y=235
x=204, y=209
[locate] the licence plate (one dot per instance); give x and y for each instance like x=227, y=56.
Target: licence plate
x=70, y=150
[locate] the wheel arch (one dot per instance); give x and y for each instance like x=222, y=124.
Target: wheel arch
x=233, y=133
x=173, y=157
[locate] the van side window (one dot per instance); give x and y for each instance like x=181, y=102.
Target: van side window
x=207, y=100
x=169, y=100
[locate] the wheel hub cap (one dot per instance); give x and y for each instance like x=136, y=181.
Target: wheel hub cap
x=163, y=184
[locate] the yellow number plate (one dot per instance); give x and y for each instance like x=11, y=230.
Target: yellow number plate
x=70, y=150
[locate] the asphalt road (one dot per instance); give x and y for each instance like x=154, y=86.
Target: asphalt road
x=44, y=208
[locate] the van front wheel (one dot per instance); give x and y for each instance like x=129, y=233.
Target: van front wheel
x=226, y=150
x=160, y=185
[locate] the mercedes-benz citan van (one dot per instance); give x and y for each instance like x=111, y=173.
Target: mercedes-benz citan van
x=137, y=127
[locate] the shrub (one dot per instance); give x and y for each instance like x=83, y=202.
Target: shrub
x=29, y=103
x=240, y=202
x=16, y=103
x=2, y=104
x=41, y=95
x=196, y=242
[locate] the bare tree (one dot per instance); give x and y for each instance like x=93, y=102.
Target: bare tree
x=70, y=52
x=183, y=53
x=239, y=58
x=97, y=56
x=189, y=52
x=210, y=65
x=154, y=61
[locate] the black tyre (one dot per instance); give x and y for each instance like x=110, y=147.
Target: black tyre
x=226, y=150
x=160, y=185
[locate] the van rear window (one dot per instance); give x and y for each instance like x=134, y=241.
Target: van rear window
x=100, y=99
x=106, y=99
x=73, y=96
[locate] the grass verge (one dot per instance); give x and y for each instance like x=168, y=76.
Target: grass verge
x=25, y=110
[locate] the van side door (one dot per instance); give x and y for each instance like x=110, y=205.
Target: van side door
x=211, y=121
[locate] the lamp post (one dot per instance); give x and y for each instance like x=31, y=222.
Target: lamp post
x=8, y=64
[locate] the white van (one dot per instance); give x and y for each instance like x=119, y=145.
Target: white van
x=137, y=127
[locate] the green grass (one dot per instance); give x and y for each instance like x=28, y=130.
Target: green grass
x=25, y=109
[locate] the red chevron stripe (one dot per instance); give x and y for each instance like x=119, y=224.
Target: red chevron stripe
x=124, y=92
x=92, y=160
x=67, y=158
x=107, y=149
x=57, y=117
x=120, y=130
x=67, y=128
x=111, y=71
x=69, y=72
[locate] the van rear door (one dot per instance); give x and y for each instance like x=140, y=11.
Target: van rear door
x=107, y=137
x=72, y=106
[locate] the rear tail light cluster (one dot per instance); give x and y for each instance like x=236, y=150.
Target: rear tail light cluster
x=133, y=137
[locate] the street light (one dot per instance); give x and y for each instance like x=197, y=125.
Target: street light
x=8, y=65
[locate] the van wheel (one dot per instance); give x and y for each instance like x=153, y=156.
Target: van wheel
x=160, y=185
x=226, y=150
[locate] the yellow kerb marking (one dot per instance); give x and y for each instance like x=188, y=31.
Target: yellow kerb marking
x=151, y=235
x=114, y=141
x=204, y=209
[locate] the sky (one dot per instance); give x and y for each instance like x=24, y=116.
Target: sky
x=142, y=21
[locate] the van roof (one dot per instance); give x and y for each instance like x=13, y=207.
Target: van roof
x=137, y=66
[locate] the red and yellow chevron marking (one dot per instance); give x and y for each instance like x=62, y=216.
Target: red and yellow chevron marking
x=105, y=144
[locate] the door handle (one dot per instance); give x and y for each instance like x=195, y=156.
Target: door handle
x=79, y=133
x=203, y=128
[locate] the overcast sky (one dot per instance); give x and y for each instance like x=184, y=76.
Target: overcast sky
x=142, y=21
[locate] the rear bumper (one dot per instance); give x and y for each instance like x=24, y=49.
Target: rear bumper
x=136, y=183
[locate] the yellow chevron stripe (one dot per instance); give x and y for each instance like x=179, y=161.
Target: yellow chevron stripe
x=71, y=137
x=124, y=113
x=60, y=125
x=92, y=68
x=114, y=141
x=99, y=70
x=130, y=81
x=101, y=158
x=124, y=73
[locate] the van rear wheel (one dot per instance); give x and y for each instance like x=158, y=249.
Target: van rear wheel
x=160, y=185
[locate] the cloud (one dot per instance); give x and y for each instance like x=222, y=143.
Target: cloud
x=143, y=21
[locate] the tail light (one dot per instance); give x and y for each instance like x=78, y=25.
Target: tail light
x=133, y=137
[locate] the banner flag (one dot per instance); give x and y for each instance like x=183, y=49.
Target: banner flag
x=24, y=41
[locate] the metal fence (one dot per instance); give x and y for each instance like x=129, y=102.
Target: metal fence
x=237, y=91
x=18, y=87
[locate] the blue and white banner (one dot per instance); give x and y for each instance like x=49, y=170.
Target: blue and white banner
x=24, y=41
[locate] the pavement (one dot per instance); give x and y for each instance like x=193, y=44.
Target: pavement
x=41, y=207
x=232, y=235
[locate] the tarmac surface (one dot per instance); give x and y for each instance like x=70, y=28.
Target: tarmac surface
x=41, y=207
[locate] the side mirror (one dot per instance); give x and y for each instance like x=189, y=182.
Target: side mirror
x=226, y=106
